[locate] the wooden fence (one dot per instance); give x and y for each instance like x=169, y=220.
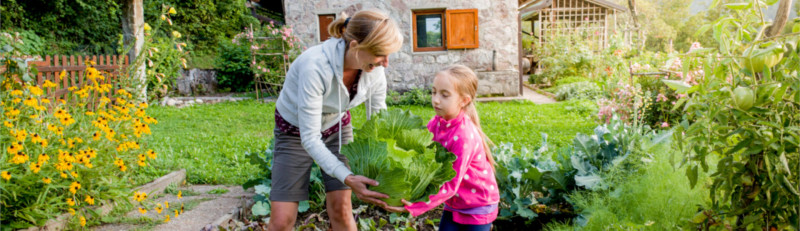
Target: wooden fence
x=75, y=66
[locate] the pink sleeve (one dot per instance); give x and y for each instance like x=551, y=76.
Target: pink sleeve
x=449, y=188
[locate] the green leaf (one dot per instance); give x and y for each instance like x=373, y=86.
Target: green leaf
x=303, y=206
x=677, y=85
x=261, y=208
x=590, y=182
x=691, y=172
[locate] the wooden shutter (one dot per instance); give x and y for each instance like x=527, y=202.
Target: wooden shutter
x=462, y=28
x=324, y=21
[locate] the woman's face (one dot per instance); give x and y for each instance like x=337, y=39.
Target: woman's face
x=370, y=61
x=367, y=61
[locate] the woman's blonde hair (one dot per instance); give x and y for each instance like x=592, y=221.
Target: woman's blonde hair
x=373, y=30
x=466, y=84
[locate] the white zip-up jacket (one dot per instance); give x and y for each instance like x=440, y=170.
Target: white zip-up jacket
x=314, y=99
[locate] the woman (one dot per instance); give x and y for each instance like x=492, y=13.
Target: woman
x=312, y=120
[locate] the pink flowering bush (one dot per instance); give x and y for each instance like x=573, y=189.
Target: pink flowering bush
x=273, y=48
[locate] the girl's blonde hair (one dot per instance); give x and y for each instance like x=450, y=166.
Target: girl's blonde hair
x=466, y=83
x=374, y=31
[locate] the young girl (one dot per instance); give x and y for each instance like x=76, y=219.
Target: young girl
x=471, y=197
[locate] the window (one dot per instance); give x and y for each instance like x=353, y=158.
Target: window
x=324, y=21
x=438, y=30
x=428, y=30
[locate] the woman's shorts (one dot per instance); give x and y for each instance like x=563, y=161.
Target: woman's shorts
x=291, y=166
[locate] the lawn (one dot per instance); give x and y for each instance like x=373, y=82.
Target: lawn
x=210, y=141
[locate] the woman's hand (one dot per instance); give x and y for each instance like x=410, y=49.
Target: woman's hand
x=398, y=209
x=359, y=186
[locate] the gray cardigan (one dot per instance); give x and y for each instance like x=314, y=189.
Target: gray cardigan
x=314, y=99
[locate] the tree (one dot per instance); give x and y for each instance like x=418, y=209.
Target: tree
x=133, y=40
x=784, y=9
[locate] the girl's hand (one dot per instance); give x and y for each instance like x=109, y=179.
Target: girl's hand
x=398, y=209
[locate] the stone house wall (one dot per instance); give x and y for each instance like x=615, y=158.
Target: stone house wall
x=498, y=39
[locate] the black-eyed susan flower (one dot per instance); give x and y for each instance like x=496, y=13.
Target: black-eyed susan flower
x=71, y=211
x=63, y=73
x=142, y=210
x=176, y=213
x=43, y=158
x=166, y=219
x=89, y=199
x=49, y=84
x=179, y=195
x=159, y=209
x=70, y=202
x=73, y=188
x=5, y=175
x=47, y=180
x=74, y=174
x=35, y=90
x=83, y=221
x=8, y=124
x=166, y=204
x=35, y=167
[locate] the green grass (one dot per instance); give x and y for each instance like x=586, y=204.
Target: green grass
x=210, y=141
x=656, y=198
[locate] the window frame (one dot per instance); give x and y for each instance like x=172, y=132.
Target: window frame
x=442, y=13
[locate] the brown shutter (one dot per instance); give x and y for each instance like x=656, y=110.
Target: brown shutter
x=462, y=28
x=324, y=21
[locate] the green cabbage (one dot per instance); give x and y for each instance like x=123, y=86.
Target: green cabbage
x=396, y=149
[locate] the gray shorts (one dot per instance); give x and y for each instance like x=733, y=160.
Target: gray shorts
x=291, y=166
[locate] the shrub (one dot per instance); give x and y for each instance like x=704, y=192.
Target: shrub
x=233, y=67
x=416, y=96
x=63, y=155
x=578, y=90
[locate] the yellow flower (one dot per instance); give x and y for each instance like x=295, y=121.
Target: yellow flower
x=158, y=209
x=73, y=188
x=70, y=202
x=172, y=11
x=35, y=90
x=176, y=213
x=163, y=17
x=139, y=197
x=49, y=84
x=63, y=73
x=141, y=163
x=47, y=180
x=71, y=211
x=8, y=124
x=16, y=92
x=166, y=219
x=6, y=175
x=35, y=167
x=32, y=102
x=142, y=210
x=89, y=199
x=64, y=175
x=166, y=204
x=88, y=113
x=43, y=158
x=147, y=27
x=83, y=221
x=176, y=34
x=45, y=101
x=74, y=174
x=179, y=194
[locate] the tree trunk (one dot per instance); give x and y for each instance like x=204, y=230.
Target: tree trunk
x=133, y=40
x=632, y=7
x=781, y=17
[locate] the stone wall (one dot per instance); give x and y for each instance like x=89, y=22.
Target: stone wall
x=498, y=34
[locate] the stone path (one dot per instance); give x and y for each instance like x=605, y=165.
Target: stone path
x=202, y=208
x=527, y=94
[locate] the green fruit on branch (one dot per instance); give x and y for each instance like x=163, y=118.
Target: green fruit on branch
x=767, y=55
x=743, y=97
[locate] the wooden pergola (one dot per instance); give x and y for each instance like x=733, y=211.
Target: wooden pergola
x=560, y=17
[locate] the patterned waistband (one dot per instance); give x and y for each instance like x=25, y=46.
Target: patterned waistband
x=473, y=211
x=288, y=128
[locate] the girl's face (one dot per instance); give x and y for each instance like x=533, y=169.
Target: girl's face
x=447, y=101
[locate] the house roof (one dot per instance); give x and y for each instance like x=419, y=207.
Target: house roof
x=531, y=8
